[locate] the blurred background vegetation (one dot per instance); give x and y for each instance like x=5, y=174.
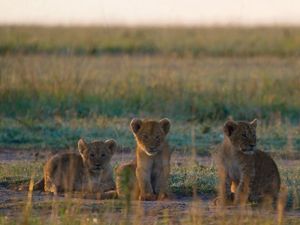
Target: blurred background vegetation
x=181, y=41
x=58, y=84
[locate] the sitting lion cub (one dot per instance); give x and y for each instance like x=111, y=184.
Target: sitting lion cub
x=87, y=172
x=245, y=173
x=147, y=177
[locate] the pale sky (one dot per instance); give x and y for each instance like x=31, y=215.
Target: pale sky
x=150, y=12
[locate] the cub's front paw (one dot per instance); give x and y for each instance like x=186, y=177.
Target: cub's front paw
x=148, y=197
x=112, y=194
x=227, y=201
x=163, y=196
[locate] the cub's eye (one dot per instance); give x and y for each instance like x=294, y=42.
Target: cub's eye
x=92, y=155
x=244, y=135
x=103, y=155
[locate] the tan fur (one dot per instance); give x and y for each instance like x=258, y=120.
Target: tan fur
x=245, y=173
x=146, y=178
x=87, y=172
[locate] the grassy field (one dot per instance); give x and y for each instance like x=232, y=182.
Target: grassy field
x=58, y=84
x=229, y=41
x=49, y=101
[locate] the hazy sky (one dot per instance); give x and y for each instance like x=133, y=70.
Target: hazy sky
x=135, y=12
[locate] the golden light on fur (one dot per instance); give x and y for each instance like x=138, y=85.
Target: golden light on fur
x=149, y=172
x=89, y=171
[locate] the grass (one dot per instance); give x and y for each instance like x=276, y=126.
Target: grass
x=184, y=180
x=194, y=41
x=44, y=99
x=190, y=89
x=61, y=83
x=58, y=133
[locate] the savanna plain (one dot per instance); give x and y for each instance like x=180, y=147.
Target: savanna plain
x=58, y=84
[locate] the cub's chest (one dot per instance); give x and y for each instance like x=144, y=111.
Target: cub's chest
x=93, y=179
x=244, y=164
x=161, y=162
x=234, y=170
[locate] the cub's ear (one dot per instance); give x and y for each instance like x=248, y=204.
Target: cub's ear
x=165, y=125
x=112, y=145
x=135, y=125
x=82, y=146
x=254, y=123
x=229, y=127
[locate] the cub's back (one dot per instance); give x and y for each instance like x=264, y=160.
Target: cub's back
x=64, y=165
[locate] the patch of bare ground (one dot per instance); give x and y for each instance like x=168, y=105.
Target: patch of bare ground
x=178, y=210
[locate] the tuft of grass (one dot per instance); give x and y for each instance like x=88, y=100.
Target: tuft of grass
x=183, y=180
x=14, y=173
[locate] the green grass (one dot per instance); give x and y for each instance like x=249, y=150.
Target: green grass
x=50, y=101
x=187, y=180
x=16, y=173
x=57, y=133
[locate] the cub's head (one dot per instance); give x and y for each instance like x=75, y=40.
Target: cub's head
x=97, y=154
x=150, y=134
x=242, y=135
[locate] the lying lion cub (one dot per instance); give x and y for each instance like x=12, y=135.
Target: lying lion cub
x=87, y=172
x=245, y=172
x=147, y=177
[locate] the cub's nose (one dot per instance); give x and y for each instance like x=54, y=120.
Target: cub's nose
x=252, y=146
x=98, y=165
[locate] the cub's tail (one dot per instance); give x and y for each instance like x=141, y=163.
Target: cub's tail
x=39, y=186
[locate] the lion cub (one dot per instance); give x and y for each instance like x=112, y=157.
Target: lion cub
x=245, y=172
x=147, y=177
x=87, y=172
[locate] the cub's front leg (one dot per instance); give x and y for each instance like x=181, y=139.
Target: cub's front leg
x=143, y=176
x=243, y=190
x=108, y=185
x=107, y=181
x=161, y=181
x=225, y=196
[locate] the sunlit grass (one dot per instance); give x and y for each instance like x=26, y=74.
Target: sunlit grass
x=190, y=89
x=50, y=101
